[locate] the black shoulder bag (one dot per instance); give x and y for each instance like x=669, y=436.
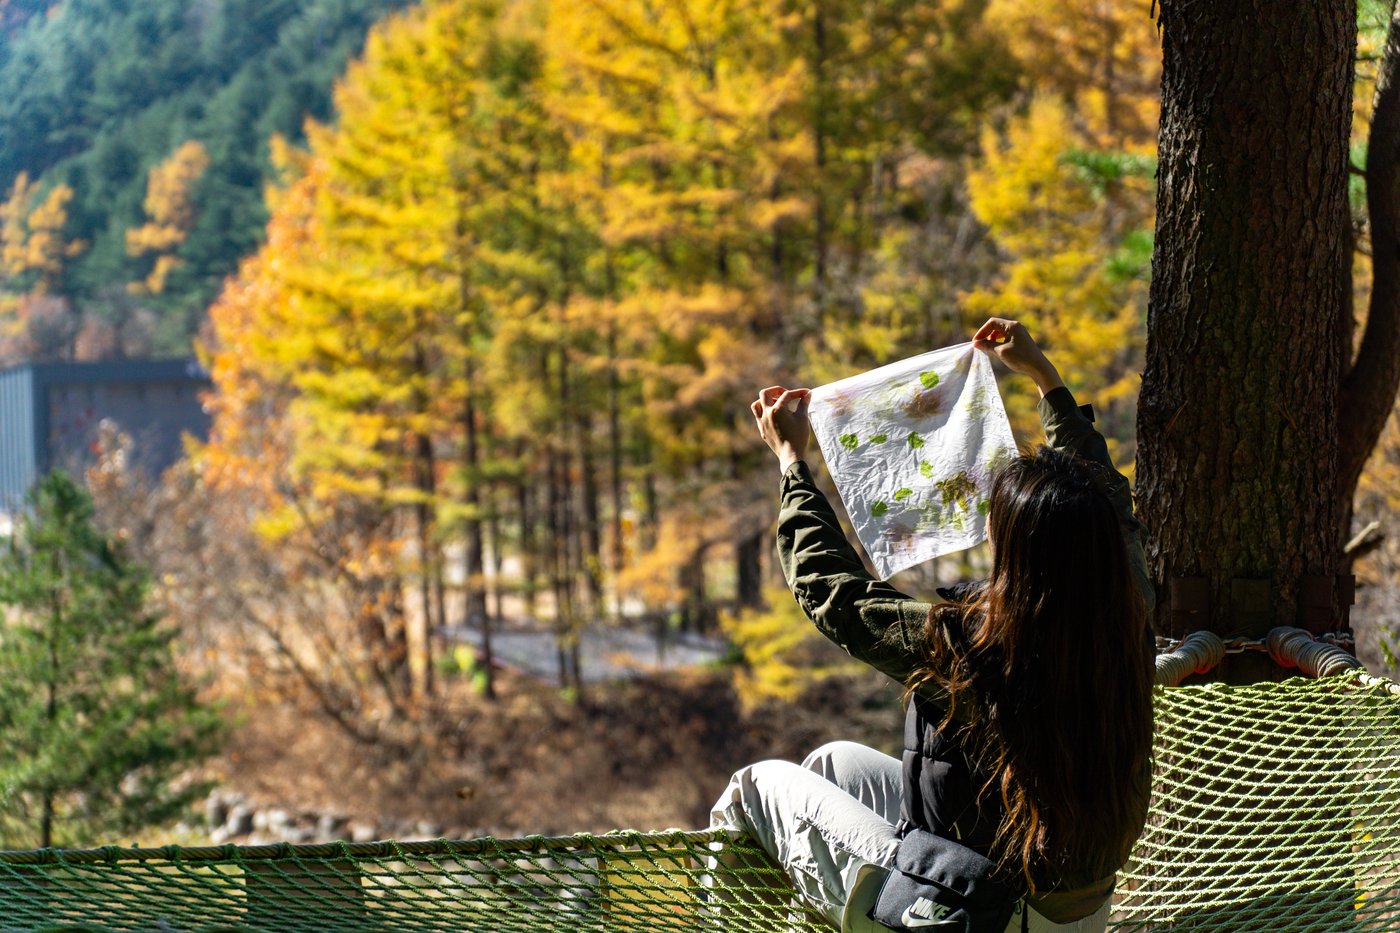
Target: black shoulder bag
x=942, y=886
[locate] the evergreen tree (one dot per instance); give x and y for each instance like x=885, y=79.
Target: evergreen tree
x=96, y=723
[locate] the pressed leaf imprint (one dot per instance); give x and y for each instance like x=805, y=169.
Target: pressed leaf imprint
x=924, y=403
x=977, y=402
x=957, y=488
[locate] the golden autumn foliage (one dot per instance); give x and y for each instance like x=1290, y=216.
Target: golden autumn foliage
x=781, y=654
x=1102, y=58
x=32, y=243
x=169, y=207
x=1065, y=189
x=1050, y=218
x=515, y=300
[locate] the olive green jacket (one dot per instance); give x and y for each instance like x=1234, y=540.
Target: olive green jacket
x=869, y=618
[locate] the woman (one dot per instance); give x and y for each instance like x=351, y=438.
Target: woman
x=1029, y=727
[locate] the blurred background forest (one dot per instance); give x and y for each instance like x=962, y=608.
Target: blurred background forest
x=483, y=289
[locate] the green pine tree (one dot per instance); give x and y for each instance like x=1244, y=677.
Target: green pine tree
x=97, y=725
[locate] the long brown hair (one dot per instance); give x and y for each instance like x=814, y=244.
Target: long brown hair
x=1055, y=672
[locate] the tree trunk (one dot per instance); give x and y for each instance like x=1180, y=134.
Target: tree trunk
x=529, y=558
x=748, y=557
x=1238, y=459
x=473, y=582
x=46, y=812
x=650, y=524
x=819, y=118
x=557, y=558
x=420, y=666
x=493, y=533
x=420, y=659
x=473, y=578
x=592, y=522
x=695, y=611
x=748, y=546
x=618, y=546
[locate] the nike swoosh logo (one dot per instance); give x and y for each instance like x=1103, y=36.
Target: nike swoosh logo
x=913, y=922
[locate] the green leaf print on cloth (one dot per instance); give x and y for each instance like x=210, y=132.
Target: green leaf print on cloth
x=912, y=448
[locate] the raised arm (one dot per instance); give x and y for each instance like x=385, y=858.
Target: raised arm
x=871, y=620
x=1068, y=428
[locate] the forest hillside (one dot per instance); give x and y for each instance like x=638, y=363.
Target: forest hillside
x=94, y=94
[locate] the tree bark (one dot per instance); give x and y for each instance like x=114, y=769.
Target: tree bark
x=529, y=555
x=592, y=521
x=618, y=545
x=472, y=564
x=1239, y=445
x=420, y=659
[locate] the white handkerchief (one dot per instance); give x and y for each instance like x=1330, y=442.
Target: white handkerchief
x=912, y=447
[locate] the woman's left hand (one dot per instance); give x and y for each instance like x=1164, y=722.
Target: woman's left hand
x=782, y=422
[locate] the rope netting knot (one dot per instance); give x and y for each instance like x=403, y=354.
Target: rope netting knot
x=1276, y=807
x=1197, y=653
x=1293, y=647
x=1323, y=655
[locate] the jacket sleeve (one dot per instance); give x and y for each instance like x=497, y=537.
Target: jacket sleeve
x=871, y=620
x=1068, y=429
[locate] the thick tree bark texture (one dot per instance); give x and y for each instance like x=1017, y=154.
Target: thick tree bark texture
x=1238, y=458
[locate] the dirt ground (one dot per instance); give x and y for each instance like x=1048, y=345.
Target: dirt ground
x=651, y=753
x=646, y=754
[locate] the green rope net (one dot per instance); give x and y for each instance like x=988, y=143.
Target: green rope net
x=616, y=881
x=1277, y=808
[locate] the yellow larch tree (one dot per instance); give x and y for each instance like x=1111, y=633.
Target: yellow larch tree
x=1101, y=57
x=329, y=599
x=38, y=318
x=1065, y=190
x=170, y=213
x=413, y=227
x=668, y=109
x=33, y=248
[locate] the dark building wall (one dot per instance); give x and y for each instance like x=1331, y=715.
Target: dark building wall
x=19, y=447
x=156, y=403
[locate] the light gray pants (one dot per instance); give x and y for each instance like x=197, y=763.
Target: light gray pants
x=830, y=822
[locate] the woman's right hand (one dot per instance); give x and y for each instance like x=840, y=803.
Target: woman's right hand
x=782, y=422
x=1010, y=342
